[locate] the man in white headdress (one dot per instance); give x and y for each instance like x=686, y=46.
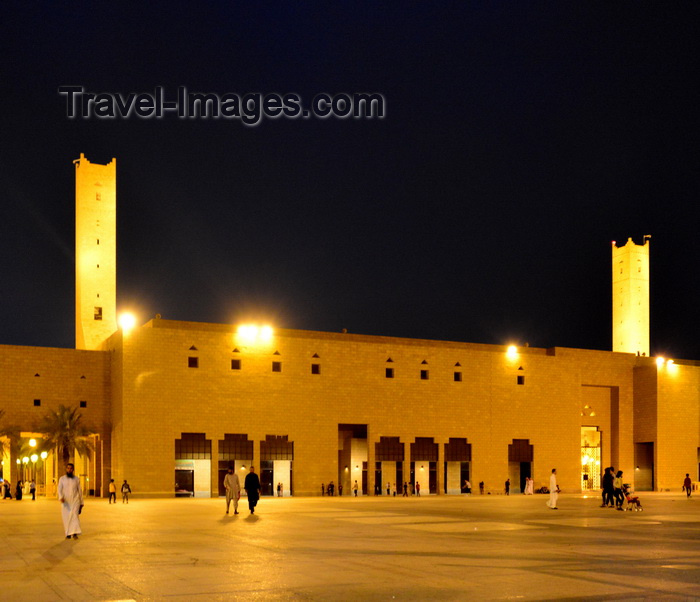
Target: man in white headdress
x=70, y=495
x=233, y=490
x=553, y=490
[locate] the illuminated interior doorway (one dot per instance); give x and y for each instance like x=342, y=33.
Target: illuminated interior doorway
x=590, y=458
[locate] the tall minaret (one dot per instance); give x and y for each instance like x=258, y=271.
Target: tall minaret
x=630, y=279
x=95, y=252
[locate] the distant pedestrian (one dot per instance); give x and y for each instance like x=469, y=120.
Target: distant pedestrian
x=553, y=490
x=417, y=488
x=7, y=486
x=507, y=486
x=405, y=489
x=18, y=491
x=687, y=485
x=70, y=495
x=126, y=490
x=32, y=490
x=233, y=490
x=481, y=488
x=112, y=491
x=252, y=488
x=608, y=488
x=354, y=488
x=388, y=489
x=340, y=489
x=396, y=490
x=617, y=490
x=467, y=487
x=323, y=489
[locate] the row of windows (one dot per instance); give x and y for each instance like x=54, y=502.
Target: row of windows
x=37, y=403
x=236, y=364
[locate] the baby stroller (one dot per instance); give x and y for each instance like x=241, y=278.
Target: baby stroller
x=633, y=502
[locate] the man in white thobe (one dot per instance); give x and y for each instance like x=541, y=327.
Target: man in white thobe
x=233, y=490
x=553, y=490
x=70, y=495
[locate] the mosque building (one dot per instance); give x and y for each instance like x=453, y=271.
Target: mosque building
x=173, y=404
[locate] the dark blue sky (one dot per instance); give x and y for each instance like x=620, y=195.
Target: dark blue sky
x=520, y=139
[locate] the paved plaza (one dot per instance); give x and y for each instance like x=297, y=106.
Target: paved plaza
x=443, y=548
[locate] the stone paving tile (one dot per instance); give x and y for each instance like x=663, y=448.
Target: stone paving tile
x=432, y=548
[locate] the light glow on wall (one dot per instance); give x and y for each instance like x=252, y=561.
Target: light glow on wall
x=254, y=334
x=512, y=352
x=126, y=321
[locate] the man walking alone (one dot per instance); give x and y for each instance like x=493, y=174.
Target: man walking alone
x=553, y=490
x=70, y=495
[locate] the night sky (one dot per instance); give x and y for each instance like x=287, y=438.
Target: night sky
x=519, y=140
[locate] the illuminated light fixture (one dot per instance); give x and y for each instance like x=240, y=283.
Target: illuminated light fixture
x=585, y=460
x=44, y=455
x=266, y=333
x=252, y=333
x=512, y=352
x=18, y=461
x=660, y=361
x=127, y=321
x=243, y=467
x=34, y=458
x=32, y=443
x=669, y=362
x=25, y=460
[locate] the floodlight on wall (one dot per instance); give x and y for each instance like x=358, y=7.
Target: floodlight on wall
x=32, y=443
x=126, y=321
x=34, y=458
x=512, y=352
x=44, y=455
x=25, y=460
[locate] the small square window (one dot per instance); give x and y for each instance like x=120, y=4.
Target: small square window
x=315, y=368
x=458, y=377
x=193, y=362
x=424, y=375
x=390, y=373
x=37, y=402
x=235, y=364
x=98, y=313
x=521, y=379
x=277, y=366
x=83, y=404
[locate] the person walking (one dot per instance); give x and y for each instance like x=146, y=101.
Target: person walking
x=252, y=488
x=617, y=490
x=608, y=488
x=481, y=488
x=32, y=490
x=507, y=486
x=405, y=489
x=126, y=490
x=233, y=490
x=112, y=491
x=687, y=485
x=323, y=490
x=70, y=496
x=18, y=491
x=553, y=490
x=354, y=488
x=418, y=488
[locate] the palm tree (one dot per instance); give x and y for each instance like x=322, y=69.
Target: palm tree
x=11, y=435
x=62, y=428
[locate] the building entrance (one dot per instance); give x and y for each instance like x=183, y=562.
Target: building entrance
x=591, y=454
x=520, y=458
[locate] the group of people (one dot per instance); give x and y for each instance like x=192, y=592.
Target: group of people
x=232, y=484
x=330, y=489
x=613, y=496
x=126, y=490
x=20, y=489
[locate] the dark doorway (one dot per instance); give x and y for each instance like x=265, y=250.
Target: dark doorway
x=267, y=475
x=525, y=473
x=184, y=483
x=644, y=466
x=432, y=477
